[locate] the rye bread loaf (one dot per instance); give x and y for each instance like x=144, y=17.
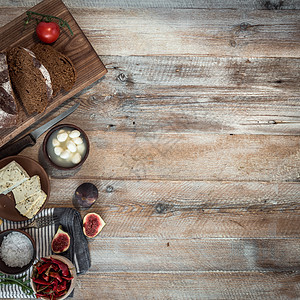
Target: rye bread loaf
x=60, y=67
x=30, y=80
x=8, y=105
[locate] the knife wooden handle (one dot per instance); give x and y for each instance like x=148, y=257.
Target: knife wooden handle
x=17, y=146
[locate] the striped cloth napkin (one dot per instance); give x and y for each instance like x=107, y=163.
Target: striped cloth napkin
x=78, y=252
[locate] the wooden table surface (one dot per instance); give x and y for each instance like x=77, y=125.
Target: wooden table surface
x=195, y=148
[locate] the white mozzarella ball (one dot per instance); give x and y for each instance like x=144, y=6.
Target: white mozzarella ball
x=74, y=134
x=65, y=154
x=81, y=148
x=71, y=146
x=58, y=150
x=61, y=131
x=55, y=143
x=78, y=140
x=76, y=158
x=62, y=137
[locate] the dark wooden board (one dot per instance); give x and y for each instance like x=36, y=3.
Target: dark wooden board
x=87, y=63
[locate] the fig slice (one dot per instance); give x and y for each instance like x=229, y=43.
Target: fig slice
x=92, y=224
x=61, y=241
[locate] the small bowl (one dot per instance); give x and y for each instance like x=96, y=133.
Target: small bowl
x=16, y=270
x=72, y=270
x=48, y=153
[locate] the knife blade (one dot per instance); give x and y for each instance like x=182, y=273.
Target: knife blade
x=29, y=140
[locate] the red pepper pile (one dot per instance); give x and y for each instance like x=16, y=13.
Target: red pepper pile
x=52, y=278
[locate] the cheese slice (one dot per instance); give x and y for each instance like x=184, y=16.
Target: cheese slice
x=31, y=205
x=11, y=176
x=36, y=207
x=27, y=189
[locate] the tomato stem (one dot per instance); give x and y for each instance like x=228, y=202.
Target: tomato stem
x=47, y=18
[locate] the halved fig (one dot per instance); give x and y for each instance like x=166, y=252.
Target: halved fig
x=61, y=241
x=92, y=224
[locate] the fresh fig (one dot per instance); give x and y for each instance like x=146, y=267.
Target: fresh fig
x=61, y=241
x=92, y=224
x=85, y=195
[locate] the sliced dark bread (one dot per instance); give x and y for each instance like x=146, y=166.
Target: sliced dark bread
x=60, y=67
x=8, y=105
x=30, y=79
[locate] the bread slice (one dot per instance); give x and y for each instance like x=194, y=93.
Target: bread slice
x=30, y=79
x=27, y=189
x=11, y=176
x=60, y=67
x=31, y=205
x=8, y=104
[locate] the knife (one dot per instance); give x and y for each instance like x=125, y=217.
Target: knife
x=30, y=139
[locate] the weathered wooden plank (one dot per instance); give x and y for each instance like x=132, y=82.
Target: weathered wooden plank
x=206, y=195
x=174, y=156
x=188, y=285
x=203, y=94
x=192, y=32
x=189, y=209
x=212, y=4
x=188, y=255
x=187, y=31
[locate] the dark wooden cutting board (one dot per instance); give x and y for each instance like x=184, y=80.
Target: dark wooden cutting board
x=87, y=63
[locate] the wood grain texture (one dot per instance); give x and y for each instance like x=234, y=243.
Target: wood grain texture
x=162, y=156
x=251, y=33
x=202, y=94
x=153, y=209
x=194, y=255
x=212, y=4
x=189, y=285
x=192, y=32
x=195, y=152
x=88, y=66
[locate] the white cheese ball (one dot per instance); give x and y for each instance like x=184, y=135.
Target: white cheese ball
x=81, y=148
x=55, y=143
x=71, y=146
x=58, y=150
x=76, y=158
x=62, y=137
x=78, y=140
x=65, y=154
x=74, y=134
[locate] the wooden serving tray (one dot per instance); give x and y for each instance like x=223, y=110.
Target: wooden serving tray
x=77, y=47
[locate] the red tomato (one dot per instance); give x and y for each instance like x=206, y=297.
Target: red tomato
x=48, y=32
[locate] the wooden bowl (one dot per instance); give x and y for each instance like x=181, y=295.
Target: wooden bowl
x=72, y=270
x=48, y=155
x=16, y=270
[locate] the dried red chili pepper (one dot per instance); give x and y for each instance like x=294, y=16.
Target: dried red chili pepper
x=55, y=285
x=67, y=278
x=45, y=277
x=41, y=281
x=41, y=288
x=38, y=295
x=55, y=267
x=62, y=286
x=43, y=267
x=45, y=259
x=61, y=293
x=56, y=276
x=48, y=291
x=64, y=268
